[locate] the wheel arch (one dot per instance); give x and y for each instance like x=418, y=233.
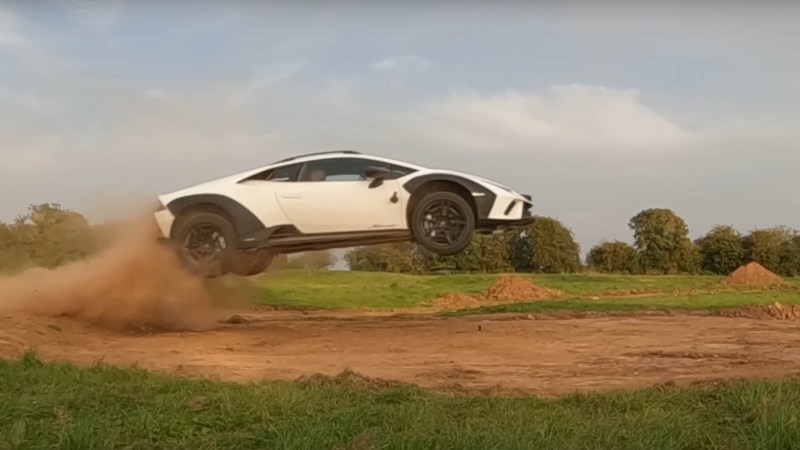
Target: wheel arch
x=242, y=219
x=418, y=187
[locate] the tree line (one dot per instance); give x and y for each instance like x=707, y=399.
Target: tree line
x=661, y=245
x=47, y=235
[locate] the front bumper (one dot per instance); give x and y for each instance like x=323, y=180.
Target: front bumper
x=519, y=223
x=508, y=213
x=492, y=226
x=509, y=207
x=526, y=208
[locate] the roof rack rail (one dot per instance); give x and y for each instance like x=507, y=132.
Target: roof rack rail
x=291, y=158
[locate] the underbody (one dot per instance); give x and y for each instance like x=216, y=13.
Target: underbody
x=288, y=242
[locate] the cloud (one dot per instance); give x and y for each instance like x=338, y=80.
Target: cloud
x=155, y=94
x=33, y=158
x=8, y=29
x=130, y=140
x=96, y=15
x=266, y=75
x=31, y=133
x=563, y=118
x=404, y=64
x=170, y=126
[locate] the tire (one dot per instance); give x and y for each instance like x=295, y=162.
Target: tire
x=443, y=223
x=247, y=264
x=206, y=242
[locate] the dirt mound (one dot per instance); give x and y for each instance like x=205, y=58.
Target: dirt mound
x=752, y=274
x=517, y=288
x=505, y=290
x=455, y=300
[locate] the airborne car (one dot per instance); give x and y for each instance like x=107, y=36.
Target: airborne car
x=330, y=200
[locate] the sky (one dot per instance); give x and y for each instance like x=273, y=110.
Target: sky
x=596, y=109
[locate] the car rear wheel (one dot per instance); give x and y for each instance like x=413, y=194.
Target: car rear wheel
x=251, y=263
x=206, y=243
x=443, y=223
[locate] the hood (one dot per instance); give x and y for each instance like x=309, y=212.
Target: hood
x=490, y=184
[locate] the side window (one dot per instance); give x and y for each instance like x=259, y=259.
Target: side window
x=337, y=169
x=400, y=171
x=285, y=173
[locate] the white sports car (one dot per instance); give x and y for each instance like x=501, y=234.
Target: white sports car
x=330, y=200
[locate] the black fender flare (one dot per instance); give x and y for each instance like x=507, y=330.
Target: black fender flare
x=244, y=221
x=483, y=203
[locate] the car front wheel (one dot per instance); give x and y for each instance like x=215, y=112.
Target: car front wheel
x=443, y=223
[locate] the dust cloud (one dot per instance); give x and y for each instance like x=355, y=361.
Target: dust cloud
x=135, y=283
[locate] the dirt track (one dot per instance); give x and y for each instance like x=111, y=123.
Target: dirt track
x=546, y=357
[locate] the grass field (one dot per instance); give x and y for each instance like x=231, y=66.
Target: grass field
x=54, y=405
x=337, y=290
x=102, y=407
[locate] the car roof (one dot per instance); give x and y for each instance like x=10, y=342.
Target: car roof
x=337, y=154
x=299, y=159
x=322, y=154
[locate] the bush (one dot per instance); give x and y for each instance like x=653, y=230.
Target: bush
x=613, y=257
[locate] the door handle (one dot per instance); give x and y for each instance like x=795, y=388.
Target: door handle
x=291, y=195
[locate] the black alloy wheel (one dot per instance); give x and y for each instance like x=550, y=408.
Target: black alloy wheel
x=205, y=244
x=443, y=223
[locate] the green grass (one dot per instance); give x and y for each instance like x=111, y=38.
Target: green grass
x=59, y=406
x=341, y=289
x=660, y=302
x=581, y=284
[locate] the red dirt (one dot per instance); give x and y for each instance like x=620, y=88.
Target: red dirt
x=507, y=289
x=498, y=353
x=773, y=311
x=135, y=283
x=752, y=274
x=455, y=300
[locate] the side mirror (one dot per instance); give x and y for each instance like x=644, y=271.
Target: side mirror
x=377, y=175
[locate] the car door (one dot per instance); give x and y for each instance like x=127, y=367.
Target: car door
x=334, y=196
